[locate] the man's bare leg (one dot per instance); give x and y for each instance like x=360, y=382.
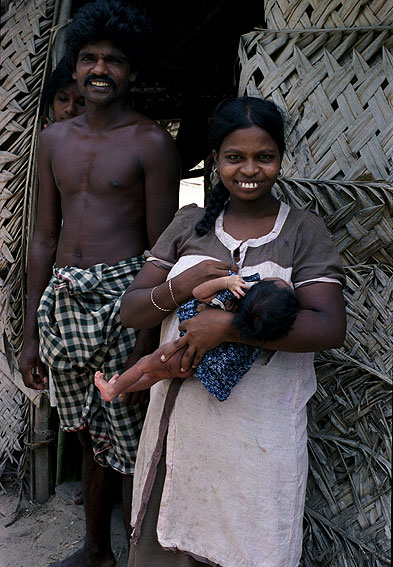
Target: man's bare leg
x=98, y=500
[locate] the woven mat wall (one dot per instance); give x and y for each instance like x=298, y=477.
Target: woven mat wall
x=296, y=14
x=348, y=493
x=25, y=38
x=337, y=87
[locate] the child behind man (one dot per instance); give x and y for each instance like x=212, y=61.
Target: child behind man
x=265, y=312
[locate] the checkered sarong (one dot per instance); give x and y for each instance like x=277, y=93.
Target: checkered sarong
x=81, y=332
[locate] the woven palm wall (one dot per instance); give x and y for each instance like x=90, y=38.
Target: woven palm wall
x=26, y=35
x=329, y=65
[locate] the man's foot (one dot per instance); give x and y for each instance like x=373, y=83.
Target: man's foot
x=77, y=494
x=83, y=558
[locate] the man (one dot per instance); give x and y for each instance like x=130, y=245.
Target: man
x=108, y=186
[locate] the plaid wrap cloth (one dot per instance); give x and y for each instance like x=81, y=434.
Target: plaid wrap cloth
x=80, y=332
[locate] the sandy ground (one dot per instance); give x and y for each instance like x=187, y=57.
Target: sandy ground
x=45, y=533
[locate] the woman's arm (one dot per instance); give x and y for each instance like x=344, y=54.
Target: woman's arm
x=149, y=298
x=320, y=325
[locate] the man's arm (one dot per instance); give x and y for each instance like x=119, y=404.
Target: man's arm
x=42, y=253
x=161, y=168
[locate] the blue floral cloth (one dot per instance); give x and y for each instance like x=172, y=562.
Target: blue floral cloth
x=223, y=366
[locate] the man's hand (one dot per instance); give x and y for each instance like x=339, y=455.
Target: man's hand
x=33, y=371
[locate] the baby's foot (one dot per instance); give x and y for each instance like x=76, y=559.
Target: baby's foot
x=103, y=386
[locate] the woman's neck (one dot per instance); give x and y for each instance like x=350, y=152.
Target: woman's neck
x=248, y=220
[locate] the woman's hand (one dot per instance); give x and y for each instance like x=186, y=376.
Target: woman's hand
x=205, y=271
x=207, y=330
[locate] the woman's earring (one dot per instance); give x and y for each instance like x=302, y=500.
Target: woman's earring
x=214, y=176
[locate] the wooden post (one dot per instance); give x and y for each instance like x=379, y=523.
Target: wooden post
x=43, y=473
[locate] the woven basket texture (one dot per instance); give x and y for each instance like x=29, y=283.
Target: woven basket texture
x=296, y=14
x=25, y=39
x=336, y=87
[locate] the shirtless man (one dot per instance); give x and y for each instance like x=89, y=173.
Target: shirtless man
x=108, y=186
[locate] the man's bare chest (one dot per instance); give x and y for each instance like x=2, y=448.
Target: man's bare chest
x=95, y=168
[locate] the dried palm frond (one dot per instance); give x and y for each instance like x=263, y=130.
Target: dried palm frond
x=348, y=508
x=26, y=32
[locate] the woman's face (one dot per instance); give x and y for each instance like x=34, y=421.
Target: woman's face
x=68, y=102
x=248, y=163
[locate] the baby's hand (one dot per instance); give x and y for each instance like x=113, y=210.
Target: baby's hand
x=236, y=285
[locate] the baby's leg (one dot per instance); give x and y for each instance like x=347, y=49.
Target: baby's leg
x=146, y=372
x=117, y=384
x=106, y=388
x=153, y=369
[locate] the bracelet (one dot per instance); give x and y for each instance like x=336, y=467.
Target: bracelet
x=171, y=292
x=154, y=303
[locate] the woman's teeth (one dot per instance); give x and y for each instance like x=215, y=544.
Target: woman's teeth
x=248, y=185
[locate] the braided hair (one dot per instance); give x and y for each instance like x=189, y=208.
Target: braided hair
x=235, y=114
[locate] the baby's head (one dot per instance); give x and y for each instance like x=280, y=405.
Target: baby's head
x=268, y=310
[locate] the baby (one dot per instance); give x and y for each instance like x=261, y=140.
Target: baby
x=265, y=310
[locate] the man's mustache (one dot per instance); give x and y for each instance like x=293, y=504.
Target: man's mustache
x=101, y=78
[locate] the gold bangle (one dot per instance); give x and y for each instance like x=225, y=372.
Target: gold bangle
x=171, y=292
x=155, y=304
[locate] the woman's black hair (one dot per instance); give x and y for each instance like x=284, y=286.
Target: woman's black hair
x=127, y=27
x=60, y=76
x=267, y=312
x=230, y=115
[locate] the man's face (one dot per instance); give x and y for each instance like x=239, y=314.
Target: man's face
x=102, y=72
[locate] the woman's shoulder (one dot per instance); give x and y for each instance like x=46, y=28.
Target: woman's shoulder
x=189, y=214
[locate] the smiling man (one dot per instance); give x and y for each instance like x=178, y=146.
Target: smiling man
x=108, y=186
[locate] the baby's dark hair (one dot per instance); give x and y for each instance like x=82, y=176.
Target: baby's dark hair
x=60, y=76
x=127, y=27
x=235, y=114
x=267, y=312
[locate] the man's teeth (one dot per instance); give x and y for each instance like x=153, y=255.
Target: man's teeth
x=248, y=185
x=99, y=83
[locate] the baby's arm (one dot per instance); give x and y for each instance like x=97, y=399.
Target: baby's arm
x=207, y=291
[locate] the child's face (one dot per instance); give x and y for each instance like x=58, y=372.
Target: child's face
x=248, y=163
x=68, y=102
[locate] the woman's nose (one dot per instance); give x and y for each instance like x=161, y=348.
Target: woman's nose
x=70, y=109
x=250, y=167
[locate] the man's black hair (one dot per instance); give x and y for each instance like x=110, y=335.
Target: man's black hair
x=126, y=26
